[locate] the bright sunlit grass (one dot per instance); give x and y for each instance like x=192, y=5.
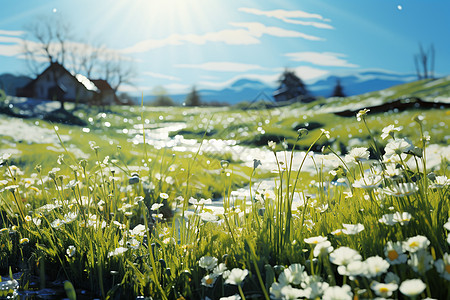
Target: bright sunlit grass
x=360, y=217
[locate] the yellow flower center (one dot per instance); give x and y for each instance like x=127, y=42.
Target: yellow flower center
x=447, y=268
x=392, y=255
x=414, y=244
x=209, y=281
x=384, y=289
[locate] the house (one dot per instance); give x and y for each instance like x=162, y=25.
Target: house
x=56, y=83
x=106, y=95
x=285, y=95
x=282, y=95
x=291, y=89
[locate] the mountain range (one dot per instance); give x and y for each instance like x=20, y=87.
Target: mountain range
x=9, y=83
x=250, y=89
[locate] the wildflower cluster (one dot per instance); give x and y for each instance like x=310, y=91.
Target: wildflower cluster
x=369, y=223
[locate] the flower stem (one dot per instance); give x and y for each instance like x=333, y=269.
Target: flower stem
x=241, y=292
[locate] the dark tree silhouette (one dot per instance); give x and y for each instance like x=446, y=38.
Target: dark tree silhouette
x=50, y=45
x=161, y=97
x=424, y=62
x=338, y=89
x=193, y=98
x=291, y=88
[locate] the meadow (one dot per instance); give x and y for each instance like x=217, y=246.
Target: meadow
x=290, y=202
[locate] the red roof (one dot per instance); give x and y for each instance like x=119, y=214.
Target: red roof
x=102, y=85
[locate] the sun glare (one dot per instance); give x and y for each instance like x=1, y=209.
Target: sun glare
x=168, y=16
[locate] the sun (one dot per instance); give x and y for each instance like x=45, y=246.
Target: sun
x=168, y=16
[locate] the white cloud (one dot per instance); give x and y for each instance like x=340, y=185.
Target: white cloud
x=10, y=39
x=228, y=36
x=209, y=77
x=231, y=37
x=175, y=88
x=126, y=88
x=279, y=13
x=10, y=45
x=329, y=59
x=240, y=36
x=11, y=32
x=290, y=16
x=304, y=72
x=10, y=50
x=15, y=46
x=161, y=76
x=258, y=29
x=309, y=73
x=223, y=66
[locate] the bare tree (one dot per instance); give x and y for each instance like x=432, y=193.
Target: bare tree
x=424, y=62
x=51, y=35
x=84, y=58
x=116, y=69
x=90, y=59
x=51, y=41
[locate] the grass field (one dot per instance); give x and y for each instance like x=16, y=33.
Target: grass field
x=288, y=202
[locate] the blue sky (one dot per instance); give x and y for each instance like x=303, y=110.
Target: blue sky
x=211, y=43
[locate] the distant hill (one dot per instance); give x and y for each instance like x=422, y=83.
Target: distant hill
x=9, y=83
x=429, y=90
x=238, y=91
x=359, y=83
x=250, y=89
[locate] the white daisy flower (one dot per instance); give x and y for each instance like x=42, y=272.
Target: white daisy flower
x=389, y=131
x=420, y=261
x=401, y=189
x=398, y=147
x=337, y=292
x=443, y=266
x=344, y=255
x=70, y=251
x=315, y=240
x=358, y=154
x=368, y=182
x=352, y=229
x=288, y=292
x=236, y=276
x=388, y=219
x=412, y=287
x=295, y=274
x=384, y=290
x=416, y=243
x=394, y=253
x=375, y=266
x=118, y=251
x=441, y=182
x=402, y=218
x=209, y=280
x=207, y=262
x=322, y=248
